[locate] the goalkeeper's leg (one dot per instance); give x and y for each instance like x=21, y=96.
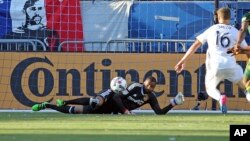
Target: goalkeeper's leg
x=77, y=101
x=94, y=102
x=63, y=109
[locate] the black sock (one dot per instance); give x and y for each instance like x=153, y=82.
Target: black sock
x=198, y=103
x=78, y=101
x=63, y=109
x=167, y=108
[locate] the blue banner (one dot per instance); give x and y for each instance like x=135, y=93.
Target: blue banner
x=176, y=20
x=5, y=19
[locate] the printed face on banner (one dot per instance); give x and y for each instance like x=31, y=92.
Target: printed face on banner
x=29, y=14
x=46, y=20
x=34, y=13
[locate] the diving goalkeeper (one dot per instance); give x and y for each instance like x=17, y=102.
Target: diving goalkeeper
x=135, y=96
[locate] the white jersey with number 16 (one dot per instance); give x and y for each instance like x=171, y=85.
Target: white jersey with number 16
x=220, y=38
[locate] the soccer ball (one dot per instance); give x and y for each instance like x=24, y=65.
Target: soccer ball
x=118, y=84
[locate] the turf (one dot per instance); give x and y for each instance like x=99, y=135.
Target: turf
x=64, y=127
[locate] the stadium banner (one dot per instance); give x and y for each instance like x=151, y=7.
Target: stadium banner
x=177, y=19
x=105, y=20
x=170, y=20
x=50, y=21
x=29, y=78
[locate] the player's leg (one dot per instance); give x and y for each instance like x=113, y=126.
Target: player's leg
x=77, y=101
x=211, y=82
x=62, y=109
x=101, y=99
x=212, y=79
x=44, y=105
x=247, y=84
x=96, y=101
x=202, y=96
x=236, y=77
x=242, y=80
x=241, y=85
x=79, y=109
x=246, y=80
x=244, y=84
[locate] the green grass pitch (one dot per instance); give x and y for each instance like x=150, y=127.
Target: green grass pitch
x=64, y=127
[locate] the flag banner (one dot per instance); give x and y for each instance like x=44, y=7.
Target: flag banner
x=105, y=21
x=49, y=21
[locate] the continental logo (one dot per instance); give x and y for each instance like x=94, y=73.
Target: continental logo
x=97, y=73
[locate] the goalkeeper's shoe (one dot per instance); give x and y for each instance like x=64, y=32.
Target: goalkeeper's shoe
x=38, y=107
x=223, y=104
x=60, y=102
x=178, y=100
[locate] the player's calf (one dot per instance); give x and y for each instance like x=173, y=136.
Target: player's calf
x=223, y=103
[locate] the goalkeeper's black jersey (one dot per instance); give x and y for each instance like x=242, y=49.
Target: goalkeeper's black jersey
x=135, y=96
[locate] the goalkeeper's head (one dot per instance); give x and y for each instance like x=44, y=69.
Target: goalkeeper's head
x=149, y=84
x=224, y=15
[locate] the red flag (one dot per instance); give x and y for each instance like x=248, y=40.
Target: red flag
x=64, y=17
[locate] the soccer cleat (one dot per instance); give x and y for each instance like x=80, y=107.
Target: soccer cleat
x=38, y=107
x=178, y=100
x=223, y=104
x=60, y=102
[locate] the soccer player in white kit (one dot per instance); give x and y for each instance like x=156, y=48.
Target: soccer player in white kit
x=219, y=64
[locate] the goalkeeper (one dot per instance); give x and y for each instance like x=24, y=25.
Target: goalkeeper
x=135, y=96
x=245, y=24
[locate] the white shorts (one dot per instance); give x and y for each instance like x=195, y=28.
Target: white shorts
x=214, y=77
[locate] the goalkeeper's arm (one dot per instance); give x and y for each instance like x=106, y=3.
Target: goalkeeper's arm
x=156, y=107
